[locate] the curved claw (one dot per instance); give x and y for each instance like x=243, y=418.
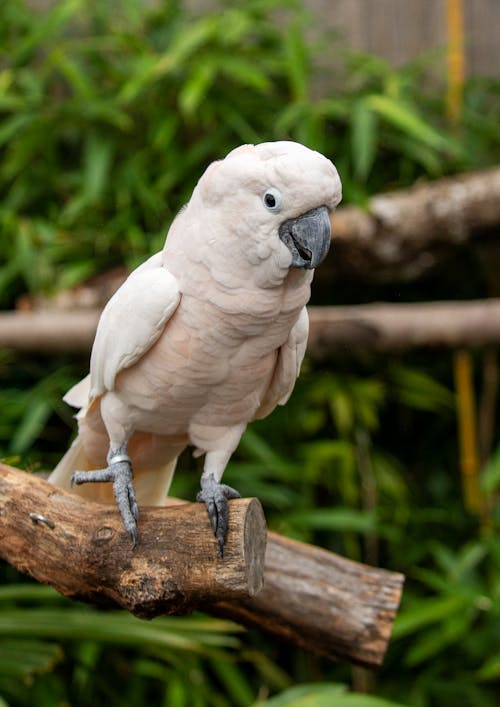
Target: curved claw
x=215, y=496
x=119, y=473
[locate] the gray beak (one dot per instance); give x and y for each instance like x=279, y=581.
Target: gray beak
x=307, y=237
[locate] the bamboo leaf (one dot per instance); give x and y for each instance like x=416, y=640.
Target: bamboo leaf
x=118, y=629
x=490, y=670
x=363, y=139
x=36, y=415
x=196, y=87
x=339, y=519
x=490, y=477
x=97, y=162
x=325, y=695
x=432, y=642
x=236, y=685
x=23, y=659
x=296, y=62
x=246, y=74
x=426, y=612
x=406, y=119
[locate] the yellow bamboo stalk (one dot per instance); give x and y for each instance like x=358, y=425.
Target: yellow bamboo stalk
x=455, y=59
x=467, y=430
x=463, y=371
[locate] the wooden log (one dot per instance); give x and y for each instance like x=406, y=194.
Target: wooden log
x=403, y=234
x=84, y=552
x=323, y=602
x=313, y=598
x=50, y=331
x=333, y=330
x=395, y=327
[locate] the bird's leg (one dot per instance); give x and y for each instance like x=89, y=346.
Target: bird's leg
x=216, y=495
x=119, y=472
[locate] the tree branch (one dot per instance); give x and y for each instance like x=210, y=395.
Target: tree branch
x=81, y=549
x=321, y=601
x=402, y=234
x=393, y=327
x=333, y=330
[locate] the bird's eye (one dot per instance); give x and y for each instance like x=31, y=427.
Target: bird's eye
x=272, y=199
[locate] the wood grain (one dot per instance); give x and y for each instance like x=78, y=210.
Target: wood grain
x=81, y=549
x=313, y=598
x=323, y=602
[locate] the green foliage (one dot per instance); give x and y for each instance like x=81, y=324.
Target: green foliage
x=326, y=695
x=109, y=112
x=44, y=636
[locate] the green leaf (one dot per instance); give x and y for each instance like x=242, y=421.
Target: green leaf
x=296, y=62
x=299, y=694
x=29, y=593
x=342, y=409
x=246, y=74
x=118, y=629
x=490, y=670
x=14, y=125
x=195, y=88
x=36, y=415
x=363, y=139
x=340, y=519
x=97, y=161
x=73, y=73
x=490, y=476
x=325, y=695
x=425, y=612
x=406, y=119
x=417, y=389
x=432, y=642
x=6, y=79
x=234, y=681
x=23, y=659
x=154, y=67
x=46, y=25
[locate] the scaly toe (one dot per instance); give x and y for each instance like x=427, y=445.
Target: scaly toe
x=215, y=497
x=119, y=473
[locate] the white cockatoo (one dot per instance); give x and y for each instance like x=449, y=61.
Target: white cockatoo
x=206, y=335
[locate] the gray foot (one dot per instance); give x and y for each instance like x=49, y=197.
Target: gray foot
x=215, y=497
x=119, y=473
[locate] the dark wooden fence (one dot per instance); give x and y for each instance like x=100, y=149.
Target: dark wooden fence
x=400, y=30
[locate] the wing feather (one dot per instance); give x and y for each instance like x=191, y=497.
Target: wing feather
x=287, y=369
x=132, y=322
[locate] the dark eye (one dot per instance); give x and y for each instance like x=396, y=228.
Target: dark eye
x=272, y=199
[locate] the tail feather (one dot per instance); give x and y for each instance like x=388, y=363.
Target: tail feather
x=151, y=485
x=74, y=460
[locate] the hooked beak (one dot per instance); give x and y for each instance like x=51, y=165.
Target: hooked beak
x=307, y=237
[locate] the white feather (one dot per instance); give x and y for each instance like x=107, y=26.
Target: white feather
x=287, y=369
x=132, y=322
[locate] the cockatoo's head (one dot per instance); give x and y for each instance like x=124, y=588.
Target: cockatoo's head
x=265, y=208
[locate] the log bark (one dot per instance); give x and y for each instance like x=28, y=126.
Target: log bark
x=84, y=552
x=395, y=327
x=314, y=598
x=51, y=331
x=402, y=234
x=323, y=602
x=333, y=330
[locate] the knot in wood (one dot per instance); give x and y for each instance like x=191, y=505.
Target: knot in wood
x=103, y=535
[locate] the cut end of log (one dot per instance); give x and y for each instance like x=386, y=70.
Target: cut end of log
x=323, y=602
x=255, y=536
